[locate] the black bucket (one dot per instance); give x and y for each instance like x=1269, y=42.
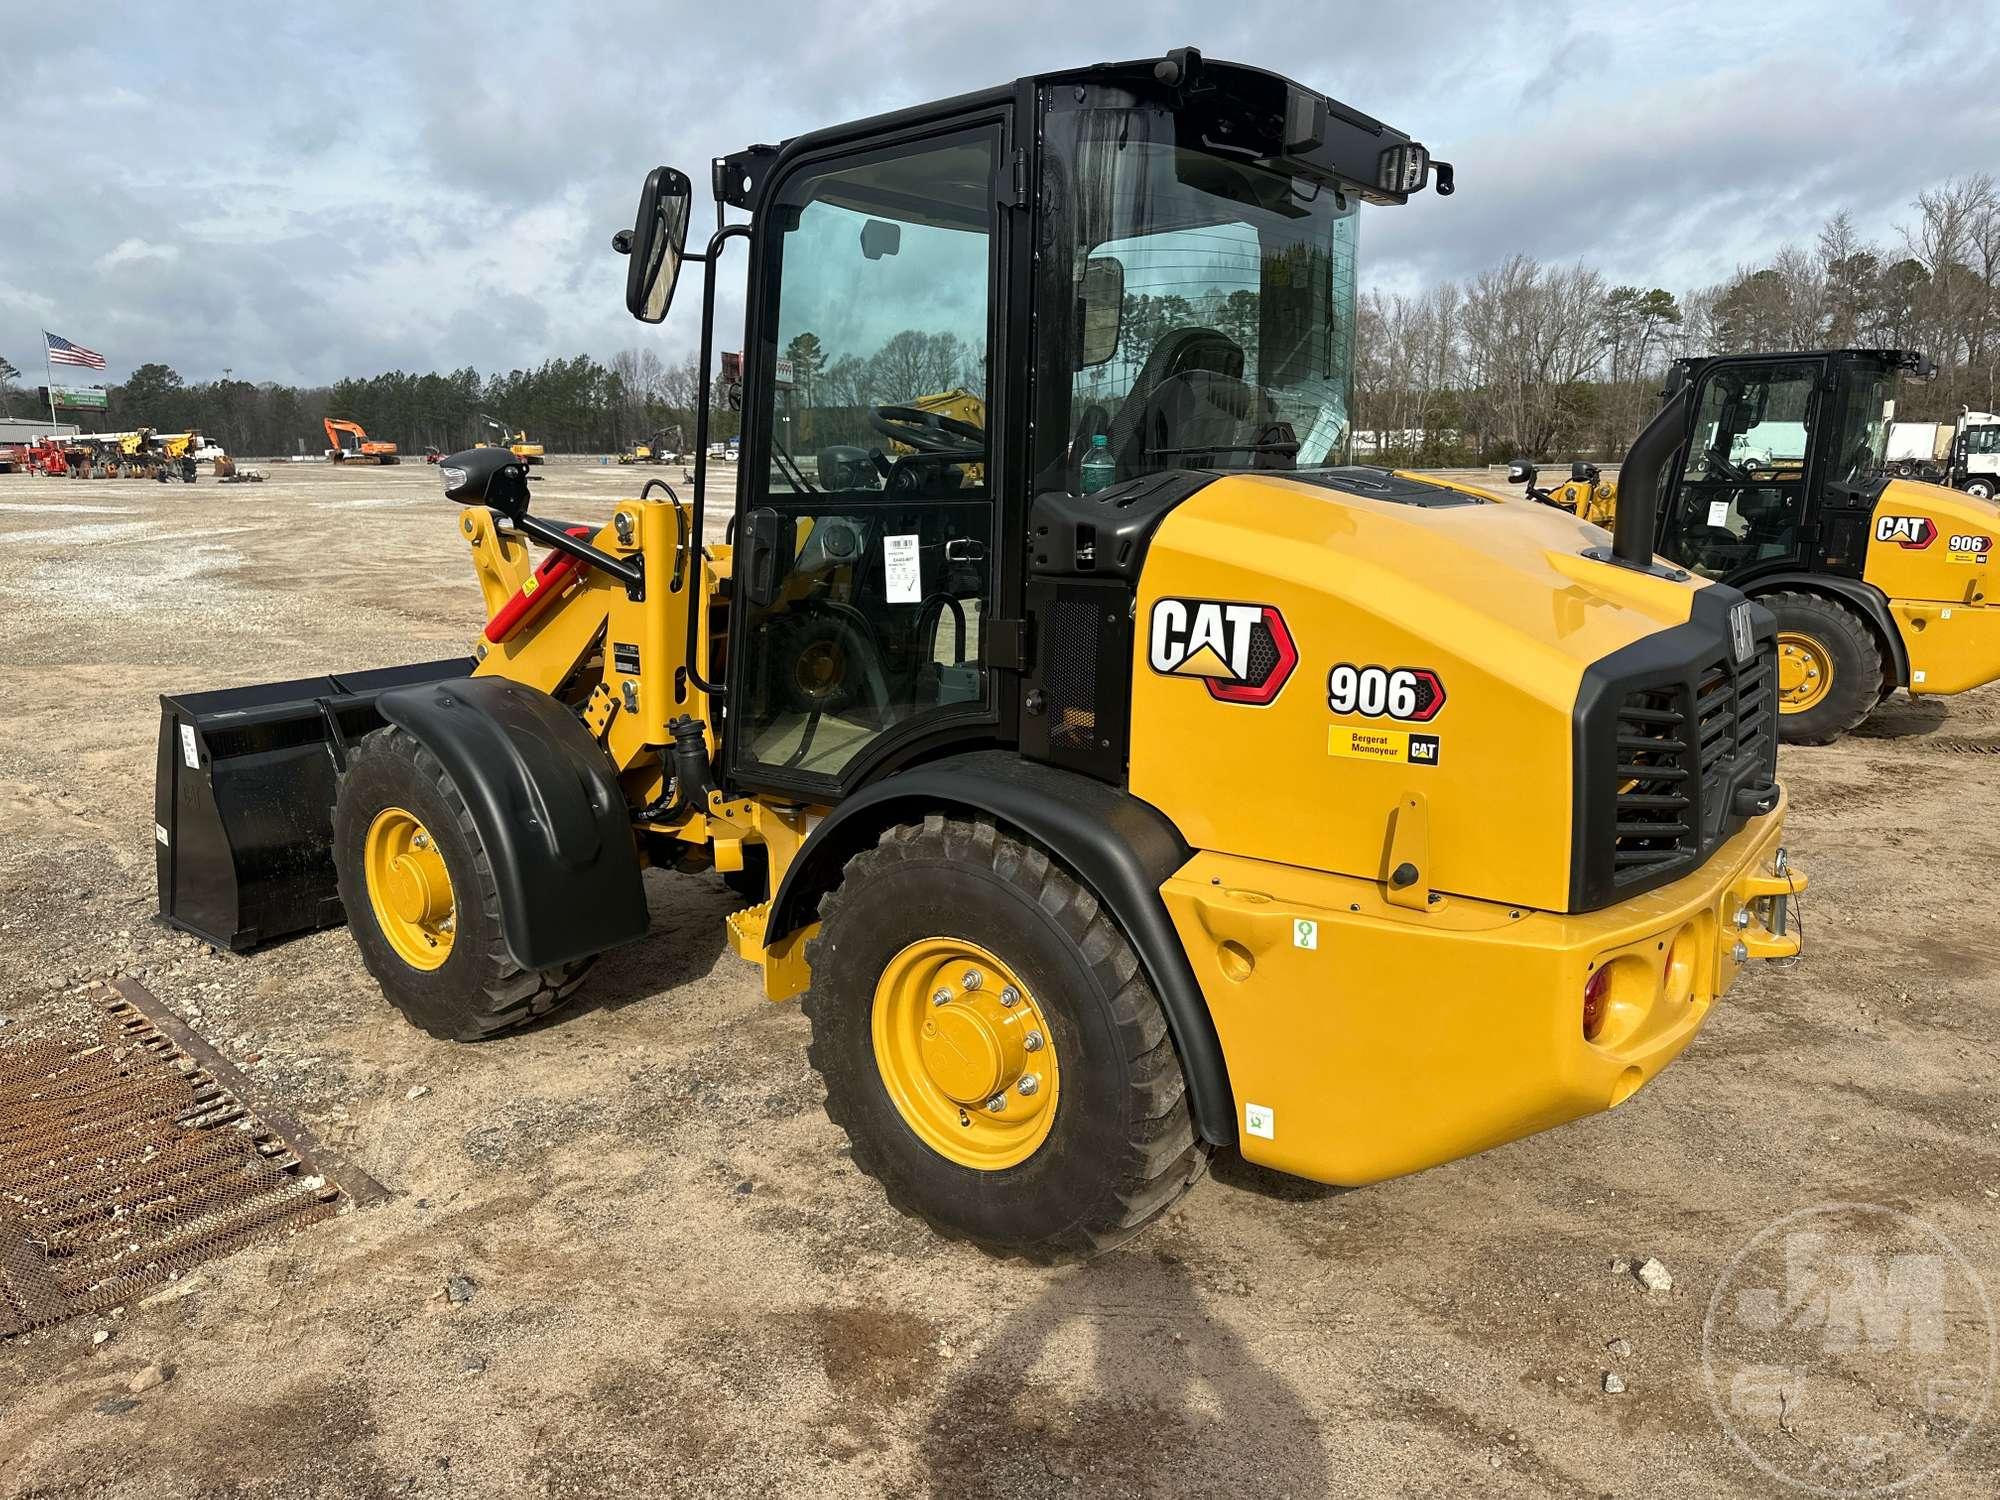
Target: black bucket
x=243, y=800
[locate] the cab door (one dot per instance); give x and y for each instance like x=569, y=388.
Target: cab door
x=1745, y=473
x=867, y=525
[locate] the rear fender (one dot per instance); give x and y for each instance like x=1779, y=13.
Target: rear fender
x=548, y=809
x=1864, y=598
x=1123, y=849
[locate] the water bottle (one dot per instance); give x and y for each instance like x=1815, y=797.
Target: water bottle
x=1099, y=467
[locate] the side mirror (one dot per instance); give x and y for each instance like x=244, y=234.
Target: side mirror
x=655, y=242
x=879, y=238
x=1100, y=305
x=1520, y=471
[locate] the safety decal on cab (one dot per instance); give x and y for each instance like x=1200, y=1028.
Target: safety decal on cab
x=1412, y=695
x=1912, y=532
x=1970, y=547
x=1242, y=653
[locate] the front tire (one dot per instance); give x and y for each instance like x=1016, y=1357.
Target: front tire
x=1830, y=668
x=1039, y=1110
x=1981, y=489
x=422, y=902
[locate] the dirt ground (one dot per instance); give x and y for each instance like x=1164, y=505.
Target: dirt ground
x=683, y=1287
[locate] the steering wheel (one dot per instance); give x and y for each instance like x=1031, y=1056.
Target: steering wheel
x=929, y=431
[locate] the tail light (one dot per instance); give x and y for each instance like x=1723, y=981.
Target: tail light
x=1595, y=989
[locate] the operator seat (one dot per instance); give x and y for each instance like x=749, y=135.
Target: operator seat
x=1154, y=414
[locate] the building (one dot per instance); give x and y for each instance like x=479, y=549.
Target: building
x=28, y=429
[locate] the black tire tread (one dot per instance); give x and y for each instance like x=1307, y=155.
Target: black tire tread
x=1853, y=697
x=511, y=996
x=1163, y=1155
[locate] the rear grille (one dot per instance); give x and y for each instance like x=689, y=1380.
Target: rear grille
x=1685, y=750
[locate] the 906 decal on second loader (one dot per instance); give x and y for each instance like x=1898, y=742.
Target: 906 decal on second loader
x=1247, y=800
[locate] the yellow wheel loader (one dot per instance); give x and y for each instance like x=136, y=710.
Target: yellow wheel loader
x=1249, y=801
x=1772, y=477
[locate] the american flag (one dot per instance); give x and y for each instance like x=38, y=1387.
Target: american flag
x=63, y=352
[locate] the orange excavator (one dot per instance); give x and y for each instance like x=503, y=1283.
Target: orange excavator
x=352, y=445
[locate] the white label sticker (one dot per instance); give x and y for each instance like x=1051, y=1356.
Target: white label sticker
x=1305, y=933
x=160, y=832
x=188, y=752
x=1916, y=677
x=1259, y=1120
x=1718, y=513
x=901, y=577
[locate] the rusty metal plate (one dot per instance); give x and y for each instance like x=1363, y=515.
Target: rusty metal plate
x=127, y=1160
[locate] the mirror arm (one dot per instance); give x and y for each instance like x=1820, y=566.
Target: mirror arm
x=723, y=234
x=626, y=571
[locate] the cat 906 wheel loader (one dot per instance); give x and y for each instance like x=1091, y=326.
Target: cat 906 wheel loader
x=1247, y=801
x=1772, y=477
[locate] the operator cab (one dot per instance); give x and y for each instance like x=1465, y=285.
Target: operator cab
x=1145, y=266
x=1783, y=460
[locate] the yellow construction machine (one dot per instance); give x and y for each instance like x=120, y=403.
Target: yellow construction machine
x=662, y=447
x=513, y=439
x=1248, y=801
x=1768, y=472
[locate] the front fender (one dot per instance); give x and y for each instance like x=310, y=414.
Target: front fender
x=547, y=807
x=1123, y=849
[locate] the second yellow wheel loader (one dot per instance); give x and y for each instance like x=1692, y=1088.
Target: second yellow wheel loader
x=1246, y=801
x=1771, y=475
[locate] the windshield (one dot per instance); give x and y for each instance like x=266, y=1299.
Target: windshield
x=1209, y=305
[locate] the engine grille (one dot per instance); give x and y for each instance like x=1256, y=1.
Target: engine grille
x=1685, y=750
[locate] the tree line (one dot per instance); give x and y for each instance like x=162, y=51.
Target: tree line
x=575, y=405
x=1544, y=360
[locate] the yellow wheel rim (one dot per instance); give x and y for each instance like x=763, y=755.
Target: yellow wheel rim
x=1805, y=672
x=409, y=888
x=966, y=1054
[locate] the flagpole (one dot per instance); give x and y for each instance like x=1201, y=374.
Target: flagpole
x=49, y=373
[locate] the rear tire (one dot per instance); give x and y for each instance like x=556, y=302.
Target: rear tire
x=1830, y=668
x=477, y=990
x=1983, y=489
x=1121, y=1145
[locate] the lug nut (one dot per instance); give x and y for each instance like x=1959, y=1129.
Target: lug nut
x=1010, y=996
x=942, y=997
x=972, y=979
x=997, y=1103
x=1032, y=1041
x=1741, y=953
x=1742, y=918
x=421, y=841
x=1028, y=1084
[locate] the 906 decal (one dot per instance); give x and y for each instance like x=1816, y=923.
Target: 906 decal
x=1970, y=547
x=1411, y=694
x=1242, y=653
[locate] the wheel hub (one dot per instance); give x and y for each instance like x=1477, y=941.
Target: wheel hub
x=1805, y=671
x=409, y=888
x=965, y=1053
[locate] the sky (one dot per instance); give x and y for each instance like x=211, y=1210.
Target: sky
x=299, y=193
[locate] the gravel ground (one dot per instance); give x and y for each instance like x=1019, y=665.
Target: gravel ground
x=679, y=1285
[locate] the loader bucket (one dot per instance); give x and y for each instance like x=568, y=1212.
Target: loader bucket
x=243, y=800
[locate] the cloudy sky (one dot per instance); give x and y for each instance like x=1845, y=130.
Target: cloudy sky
x=295, y=197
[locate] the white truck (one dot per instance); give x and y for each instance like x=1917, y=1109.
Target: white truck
x=1964, y=454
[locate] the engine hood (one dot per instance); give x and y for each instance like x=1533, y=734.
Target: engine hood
x=1308, y=656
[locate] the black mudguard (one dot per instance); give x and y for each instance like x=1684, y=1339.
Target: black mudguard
x=1867, y=600
x=1123, y=849
x=548, y=809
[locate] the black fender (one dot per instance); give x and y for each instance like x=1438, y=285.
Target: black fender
x=1123, y=849
x=548, y=808
x=1869, y=601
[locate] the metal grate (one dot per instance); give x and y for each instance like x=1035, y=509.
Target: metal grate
x=127, y=1161
x=1070, y=679
x=1685, y=750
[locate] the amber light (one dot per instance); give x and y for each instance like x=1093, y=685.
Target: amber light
x=1593, y=1002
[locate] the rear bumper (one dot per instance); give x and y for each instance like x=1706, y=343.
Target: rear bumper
x=1365, y=1040
x=1953, y=648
